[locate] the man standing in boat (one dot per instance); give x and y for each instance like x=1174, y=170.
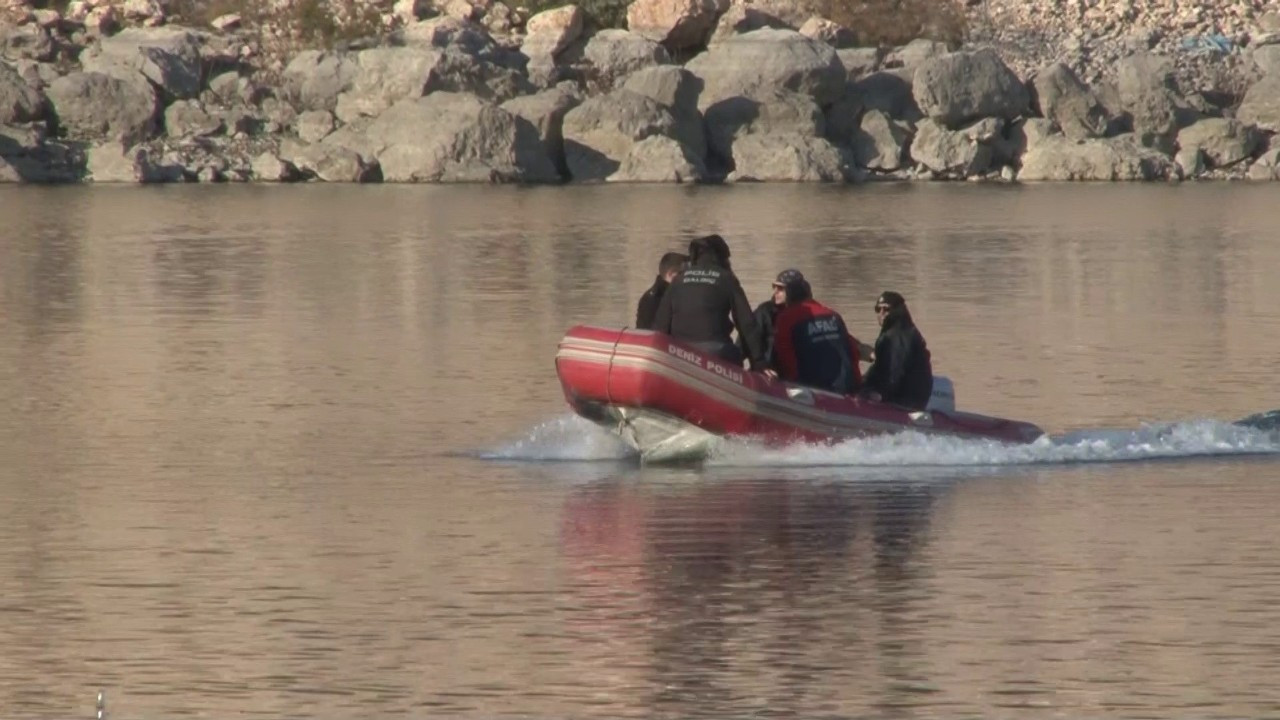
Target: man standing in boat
x=668, y=267
x=903, y=370
x=701, y=300
x=811, y=344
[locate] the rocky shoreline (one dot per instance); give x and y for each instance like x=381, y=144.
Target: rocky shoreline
x=760, y=96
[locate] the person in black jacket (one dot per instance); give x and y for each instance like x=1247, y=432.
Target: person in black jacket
x=902, y=372
x=766, y=313
x=702, y=298
x=668, y=267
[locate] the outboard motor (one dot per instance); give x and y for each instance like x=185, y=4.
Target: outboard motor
x=943, y=396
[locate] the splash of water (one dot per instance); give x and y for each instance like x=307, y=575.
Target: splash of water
x=570, y=438
x=566, y=438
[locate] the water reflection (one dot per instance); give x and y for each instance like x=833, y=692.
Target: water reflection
x=773, y=578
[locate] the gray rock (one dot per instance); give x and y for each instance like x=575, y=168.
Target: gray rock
x=1119, y=158
x=677, y=25
x=169, y=58
x=1148, y=94
x=1060, y=96
x=314, y=125
x=448, y=137
x=26, y=42
x=209, y=174
x=890, y=92
x=459, y=72
x=915, y=53
x=831, y=33
x=1261, y=105
x=958, y=88
x=768, y=60
x=843, y=119
x=448, y=32
x=22, y=169
x=1266, y=59
x=19, y=102
x=546, y=111
x=678, y=90
x=789, y=158
x=599, y=133
x=859, y=62
x=611, y=55
x=950, y=152
x=1023, y=135
x=330, y=163
x=91, y=105
x=24, y=140
x=112, y=162
x=383, y=77
x=1190, y=162
x=880, y=143
x=660, y=159
x=1260, y=172
x=268, y=167
x=741, y=18
x=1223, y=142
x=779, y=112
x=188, y=118
x=313, y=80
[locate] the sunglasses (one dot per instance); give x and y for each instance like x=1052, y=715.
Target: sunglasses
x=882, y=308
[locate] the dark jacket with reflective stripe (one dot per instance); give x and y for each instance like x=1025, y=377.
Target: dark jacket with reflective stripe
x=699, y=304
x=813, y=347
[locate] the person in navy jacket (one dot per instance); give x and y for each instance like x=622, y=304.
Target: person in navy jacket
x=812, y=346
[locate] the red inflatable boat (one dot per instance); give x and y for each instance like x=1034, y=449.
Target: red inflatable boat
x=669, y=400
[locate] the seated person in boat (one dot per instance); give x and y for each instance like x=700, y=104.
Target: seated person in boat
x=698, y=305
x=668, y=267
x=766, y=315
x=811, y=344
x=902, y=372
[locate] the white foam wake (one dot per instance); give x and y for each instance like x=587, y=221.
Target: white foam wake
x=570, y=438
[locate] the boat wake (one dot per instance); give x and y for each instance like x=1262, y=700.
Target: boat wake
x=572, y=439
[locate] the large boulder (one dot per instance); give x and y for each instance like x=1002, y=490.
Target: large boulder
x=92, y=106
x=890, y=92
x=26, y=42
x=382, y=77
x=958, y=88
x=189, y=119
x=1148, y=93
x=168, y=57
x=23, y=140
x=313, y=80
x=833, y=34
x=330, y=163
x=677, y=24
x=789, y=158
x=677, y=89
x=551, y=31
x=451, y=137
x=1119, y=158
x=880, y=142
x=112, y=162
x=1261, y=104
x=450, y=32
x=778, y=112
x=461, y=72
x=546, y=111
x=19, y=102
x=768, y=60
x=1062, y=97
x=1221, y=141
x=960, y=153
x=600, y=133
x=659, y=158
x=608, y=56
x=742, y=18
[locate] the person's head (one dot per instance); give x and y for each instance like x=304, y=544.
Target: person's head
x=709, y=246
x=671, y=264
x=891, y=305
x=797, y=291
x=780, y=284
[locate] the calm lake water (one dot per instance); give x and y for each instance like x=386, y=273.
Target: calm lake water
x=301, y=451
